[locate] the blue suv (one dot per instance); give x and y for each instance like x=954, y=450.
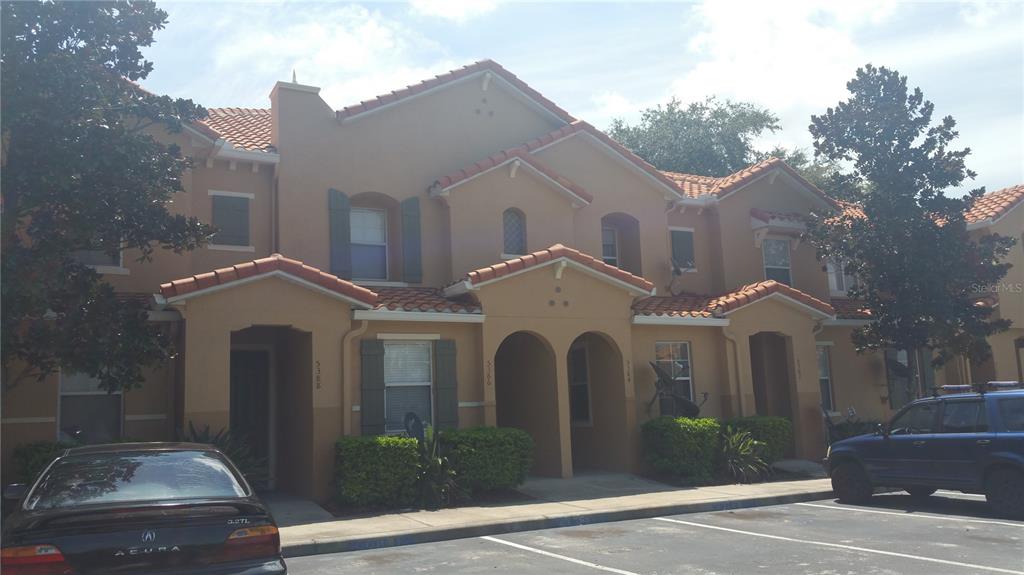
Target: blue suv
x=970, y=442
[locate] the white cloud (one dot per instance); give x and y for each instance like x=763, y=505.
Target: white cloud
x=459, y=11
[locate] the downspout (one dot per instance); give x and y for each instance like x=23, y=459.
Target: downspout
x=731, y=338
x=346, y=372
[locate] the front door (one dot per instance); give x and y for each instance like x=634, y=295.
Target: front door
x=250, y=400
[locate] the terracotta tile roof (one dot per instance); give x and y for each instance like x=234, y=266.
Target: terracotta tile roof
x=482, y=65
x=847, y=308
x=692, y=305
x=994, y=205
x=274, y=263
x=693, y=186
x=423, y=299
x=521, y=153
x=553, y=253
x=244, y=128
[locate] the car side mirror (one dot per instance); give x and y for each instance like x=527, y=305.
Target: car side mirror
x=15, y=491
x=881, y=429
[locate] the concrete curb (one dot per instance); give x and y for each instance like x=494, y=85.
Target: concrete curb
x=341, y=545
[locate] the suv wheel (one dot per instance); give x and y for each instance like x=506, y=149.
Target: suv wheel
x=851, y=484
x=1004, y=491
x=919, y=492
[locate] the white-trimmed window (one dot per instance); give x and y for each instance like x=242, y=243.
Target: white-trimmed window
x=674, y=358
x=838, y=280
x=514, y=229
x=86, y=412
x=579, y=385
x=369, y=236
x=825, y=377
x=610, y=246
x=408, y=382
x=777, y=260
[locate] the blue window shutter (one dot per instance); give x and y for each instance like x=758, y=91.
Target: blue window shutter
x=412, y=257
x=446, y=385
x=339, y=213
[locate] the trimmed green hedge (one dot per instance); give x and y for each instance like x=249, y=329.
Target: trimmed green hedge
x=682, y=447
x=30, y=459
x=489, y=458
x=376, y=471
x=775, y=432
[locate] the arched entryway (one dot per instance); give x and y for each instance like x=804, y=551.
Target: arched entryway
x=526, y=396
x=596, y=404
x=771, y=371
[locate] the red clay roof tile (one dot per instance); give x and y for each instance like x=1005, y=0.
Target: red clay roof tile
x=847, y=308
x=994, y=205
x=520, y=153
x=555, y=252
x=693, y=305
x=423, y=299
x=275, y=262
x=694, y=186
x=244, y=128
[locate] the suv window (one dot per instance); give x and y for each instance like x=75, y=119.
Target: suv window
x=919, y=418
x=964, y=417
x=133, y=476
x=1012, y=410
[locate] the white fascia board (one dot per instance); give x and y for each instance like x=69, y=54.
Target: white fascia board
x=680, y=320
x=413, y=316
x=274, y=274
x=229, y=152
x=438, y=191
x=789, y=301
x=516, y=92
x=465, y=285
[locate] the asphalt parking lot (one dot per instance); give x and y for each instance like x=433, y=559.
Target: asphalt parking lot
x=949, y=533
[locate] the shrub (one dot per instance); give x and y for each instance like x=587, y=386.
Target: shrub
x=775, y=432
x=253, y=467
x=489, y=458
x=376, y=471
x=682, y=447
x=742, y=456
x=435, y=479
x=30, y=459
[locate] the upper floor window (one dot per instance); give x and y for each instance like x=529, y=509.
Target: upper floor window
x=838, y=280
x=777, y=260
x=682, y=250
x=231, y=218
x=101, y=260
x=87, y=412
x=825, y=378
x=369, y=234
x=610, y=246
x=514, y=223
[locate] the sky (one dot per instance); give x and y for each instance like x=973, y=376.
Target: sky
x=607, y=60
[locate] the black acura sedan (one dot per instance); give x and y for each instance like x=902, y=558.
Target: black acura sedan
x=129, y=508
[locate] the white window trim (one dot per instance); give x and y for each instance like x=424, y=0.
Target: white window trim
x=827, y=346
x=589, y=422
x=409, y=336
x=118, y=270
x=245, y=195
x=764, y=262
x=689, y=358
x=429, y=384
x=61, y=393
x=836, y=273
x=618, y=251
x=387, y=248
x=694, y=234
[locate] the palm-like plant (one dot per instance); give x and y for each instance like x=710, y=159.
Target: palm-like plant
x=436, y=481
x=743, y=456
x=253, y=467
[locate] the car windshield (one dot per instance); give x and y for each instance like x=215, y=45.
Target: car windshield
x=132, y=476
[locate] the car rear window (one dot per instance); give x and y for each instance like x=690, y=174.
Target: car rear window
x=1012, y=411
x=133, y=476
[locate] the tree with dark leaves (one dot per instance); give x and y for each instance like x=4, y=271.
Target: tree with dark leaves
x=81, y=171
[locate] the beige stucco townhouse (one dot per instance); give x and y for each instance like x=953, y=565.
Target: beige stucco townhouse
x=467, y=250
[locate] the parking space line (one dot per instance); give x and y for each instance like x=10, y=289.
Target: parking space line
x=557, y=556
x=914, y=515
x=960, y=494
x=841, y=546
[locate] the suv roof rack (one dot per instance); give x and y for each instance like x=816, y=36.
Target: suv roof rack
x=981, y=387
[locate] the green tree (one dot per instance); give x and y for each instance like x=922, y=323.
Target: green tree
x=917, y=266
x=708, y=138
x=81, y=171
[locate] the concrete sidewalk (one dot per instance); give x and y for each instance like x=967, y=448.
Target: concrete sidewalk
x=572, y=507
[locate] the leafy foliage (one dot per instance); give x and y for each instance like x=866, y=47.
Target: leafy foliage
x=776, y=433
x=489, y=458
x=82, y=171
x=917, y=267
x=253, y=467
x=742, y=457
x=436, y=479
x=710, y=138
x=377, y=470
x=29, y=459
x=681, y=447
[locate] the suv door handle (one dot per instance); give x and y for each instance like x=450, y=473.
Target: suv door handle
x=918, y=443
x=984, y=441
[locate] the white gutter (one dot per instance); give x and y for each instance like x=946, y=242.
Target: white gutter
x=680, y=320
x=424, y=316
